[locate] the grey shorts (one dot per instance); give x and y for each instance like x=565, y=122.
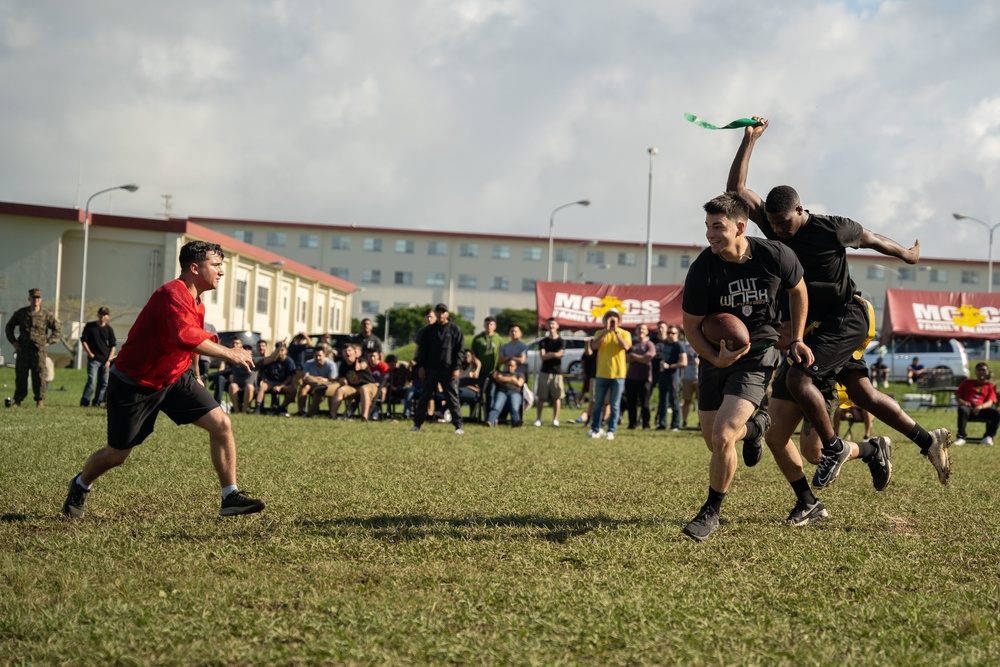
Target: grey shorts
x=550, y=388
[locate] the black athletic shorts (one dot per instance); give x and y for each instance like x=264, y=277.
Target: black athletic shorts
x=132, y=409
x=746, y=379
x=833, y=342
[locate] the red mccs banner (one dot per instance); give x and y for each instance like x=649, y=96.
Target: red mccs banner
x=941, y=314
x=581, y=306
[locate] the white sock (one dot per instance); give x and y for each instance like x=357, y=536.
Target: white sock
x=226, y=490
x=79, y=480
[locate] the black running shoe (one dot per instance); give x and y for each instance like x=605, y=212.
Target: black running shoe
x=703, y=525
x=880, y=463
x=830, y=465
x=75, y=500
x=804, y=514
x=240, y=502
x=753, y=450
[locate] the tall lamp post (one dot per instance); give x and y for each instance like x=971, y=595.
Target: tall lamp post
x=131, y=187
x=989, y=269
x=552, y=222
x=649, y=219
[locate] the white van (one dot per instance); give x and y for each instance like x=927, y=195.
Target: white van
x=932, y=352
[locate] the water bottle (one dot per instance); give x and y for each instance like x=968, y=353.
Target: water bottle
x=6, y=402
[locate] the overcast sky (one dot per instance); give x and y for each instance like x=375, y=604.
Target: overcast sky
x=485, y=115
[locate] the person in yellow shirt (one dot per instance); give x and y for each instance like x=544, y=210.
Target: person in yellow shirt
x=611, y=344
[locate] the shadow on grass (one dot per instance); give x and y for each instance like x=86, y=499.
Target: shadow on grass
x=419, y=526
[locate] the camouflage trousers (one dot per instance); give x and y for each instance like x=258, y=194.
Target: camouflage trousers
x=29, y=360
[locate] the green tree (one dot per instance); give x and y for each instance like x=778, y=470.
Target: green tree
x=522, y=317
x=405, y=321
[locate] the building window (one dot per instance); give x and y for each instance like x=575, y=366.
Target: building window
x=501, y=252
x=341, y=243
x=369, y=307
x=907, y=274
x=532, y=254
x=939, y=276
x=309, y=240
x=276, y=239
x=685, y=261
x=499, y=283
x=263, y=295
x=439, y=248
x=495, y=311
x=876, y=273
x=371, y=276
x=595, y=257
x=626, y=259
x=339, y=272
x=245, y=236
x=469, y=250
x=528, y=284
x=435, y=280
x=563, y=255
x=466, y=281
x=467, y=313
x=661, y=261
x=300, y=310
x=404, y=247
x=319, y=313
x=403, y=278
x=372, y=245
x=970, y=277
x=241, y=294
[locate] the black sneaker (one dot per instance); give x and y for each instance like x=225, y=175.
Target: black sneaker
x=240, y=502
x=703, y=525
x=804, y=514
x=753, y=450
x=880, y=463
x=75, y=500
x=830, y=465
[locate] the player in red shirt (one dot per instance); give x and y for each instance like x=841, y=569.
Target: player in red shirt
x=149, y=377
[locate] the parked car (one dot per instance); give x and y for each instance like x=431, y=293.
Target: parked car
x=571, y=361
x=932, y=352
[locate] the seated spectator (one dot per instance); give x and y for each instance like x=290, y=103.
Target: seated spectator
x=380, y=371
x=241, y=382
x=977, y=402
x=277, y=376
x=509, y=383
x=356, y=382
x=914, y=371
x=880, y=373
x=468, y=370
x=854, y=414
x=318, y=375
x=399, y=378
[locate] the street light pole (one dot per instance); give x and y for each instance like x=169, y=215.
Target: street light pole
x=989, y=262
x=552, y=222
x=649, y=220
x=131, y=187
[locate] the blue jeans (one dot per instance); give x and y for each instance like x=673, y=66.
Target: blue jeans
x=613, y=390
x=97, y=383
x=502, y=397
x=669, y=386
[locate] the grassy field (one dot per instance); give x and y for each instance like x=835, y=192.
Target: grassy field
x=506, y=546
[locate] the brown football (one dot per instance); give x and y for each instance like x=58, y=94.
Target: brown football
x=727, y=327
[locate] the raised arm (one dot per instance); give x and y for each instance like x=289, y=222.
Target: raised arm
x=737, y=181
x=887, y=246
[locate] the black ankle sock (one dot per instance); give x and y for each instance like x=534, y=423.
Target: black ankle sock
x=715, y=499
x=865, y=449
x=833, y=445
x=802, y=491
x=919, y=435
x=753, y=431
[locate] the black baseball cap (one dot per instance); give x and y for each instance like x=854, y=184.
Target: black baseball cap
x=440, y=308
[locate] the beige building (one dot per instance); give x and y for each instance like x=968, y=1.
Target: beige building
x=128, y=258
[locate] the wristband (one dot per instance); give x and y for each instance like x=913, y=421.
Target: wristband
x=797, y=340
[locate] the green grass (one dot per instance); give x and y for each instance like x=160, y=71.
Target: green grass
x=528, y=546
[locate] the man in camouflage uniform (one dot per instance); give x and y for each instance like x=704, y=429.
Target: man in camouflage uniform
x=38, y=329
